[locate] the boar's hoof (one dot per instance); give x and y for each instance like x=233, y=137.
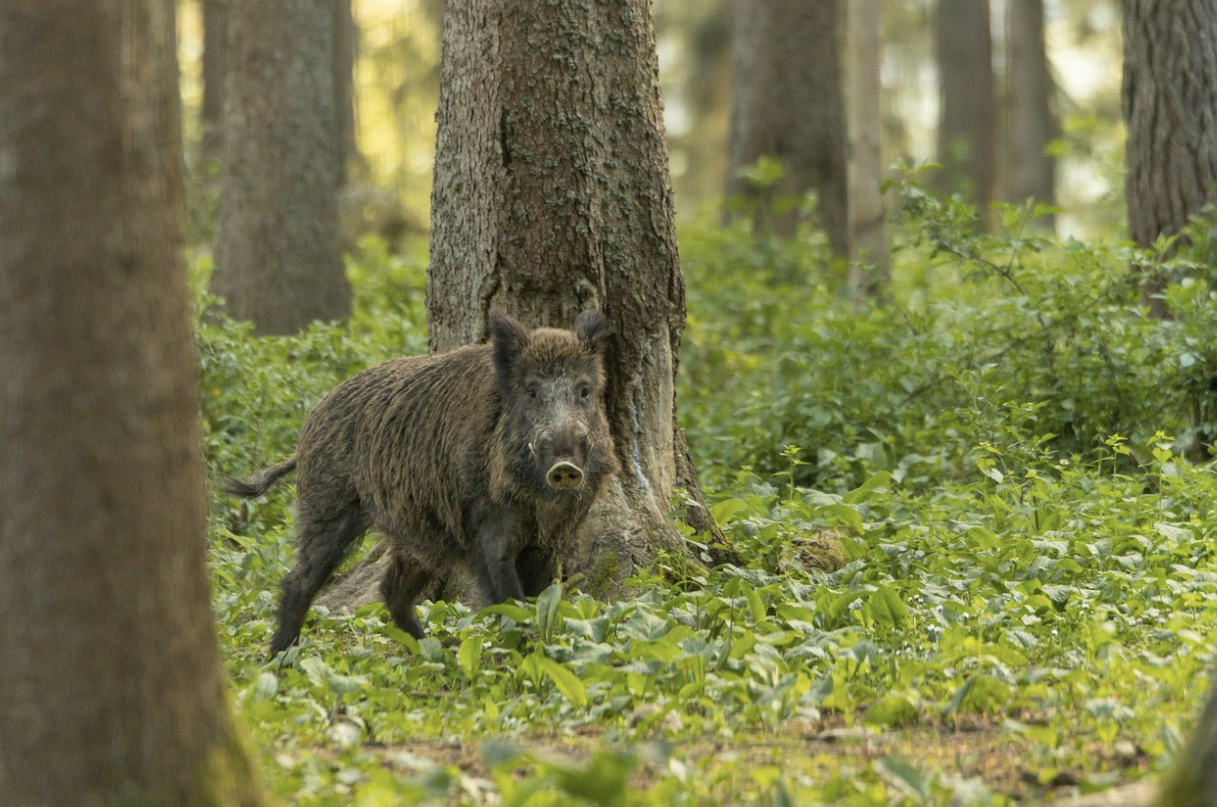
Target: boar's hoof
x=564, y=476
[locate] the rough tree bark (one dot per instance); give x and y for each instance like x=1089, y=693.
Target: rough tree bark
x=278, y=258
x=110, y=669
x=1170, y=108
x=867, y=236
x=1031, y=123
x=552, y=195
x=786, y=103
x=967, y=122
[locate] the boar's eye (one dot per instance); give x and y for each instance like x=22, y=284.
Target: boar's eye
x=532, y=392
x=585, y=390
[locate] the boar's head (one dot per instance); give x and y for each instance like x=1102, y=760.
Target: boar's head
x=552, y=431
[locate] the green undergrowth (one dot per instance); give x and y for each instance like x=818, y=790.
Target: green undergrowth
x=1012, y=454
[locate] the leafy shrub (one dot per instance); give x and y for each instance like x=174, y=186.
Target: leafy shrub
x=1009, y=339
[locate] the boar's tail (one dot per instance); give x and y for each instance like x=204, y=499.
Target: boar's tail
x=257, y=484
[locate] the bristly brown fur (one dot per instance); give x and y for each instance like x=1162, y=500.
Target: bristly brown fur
x=443, y=454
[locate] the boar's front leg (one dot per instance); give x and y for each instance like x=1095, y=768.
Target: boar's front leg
x=536, y=568
x=493, y=560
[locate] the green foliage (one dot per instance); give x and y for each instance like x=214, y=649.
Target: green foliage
x=993, y=339
x=1024, y=602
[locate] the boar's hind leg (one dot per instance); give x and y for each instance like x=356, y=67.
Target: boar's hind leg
x=536, y=569
x=401, y=587
x=321, y=544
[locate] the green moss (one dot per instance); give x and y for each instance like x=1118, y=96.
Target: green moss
x=602, y=578
x=1184, y=787
x=229, y=777
x=823, y=550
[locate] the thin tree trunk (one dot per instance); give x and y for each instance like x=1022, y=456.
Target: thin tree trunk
x=1032, y=125
x=786, y=104
x=346, y=50
x=967, y=123
x=1170, y=108
x=215, y=60
x=867, y=237
x=110, y=670
x=278, y=257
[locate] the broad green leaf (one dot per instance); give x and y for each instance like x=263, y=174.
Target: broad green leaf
x=877, y=482
x=470, y=655
x=266, y=686
x=517, y=612
x=315, y=670
x=724, y=511
x=905, y=778
x=547, y=611
x=566, y=681
x=887, y=609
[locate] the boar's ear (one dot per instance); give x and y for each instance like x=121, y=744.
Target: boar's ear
x=593, y=330
x=507, y=338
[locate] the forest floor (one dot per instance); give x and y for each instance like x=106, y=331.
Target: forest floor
x=1023, y=610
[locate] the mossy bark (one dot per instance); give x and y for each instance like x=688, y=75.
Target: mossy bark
x=110, y=668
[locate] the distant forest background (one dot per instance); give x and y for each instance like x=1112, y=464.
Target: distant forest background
x=396, y=79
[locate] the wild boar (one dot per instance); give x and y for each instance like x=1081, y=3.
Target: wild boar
x=488, y=456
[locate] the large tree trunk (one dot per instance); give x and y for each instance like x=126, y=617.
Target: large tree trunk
x=551, y=196
x=109, y=665
x=215, y=60
x=1032, y=125
x=867, y=236
x=786, y=104
x=1170, y=107
x=967, y=122
x=278, y=257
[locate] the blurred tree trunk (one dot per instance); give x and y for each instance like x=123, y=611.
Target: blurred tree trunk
x=786, y=104
x=1193, y=780
x=967, y=123
x=215, y=50
x=1170, y=107
x=110, y=670
x=346, y=52
x=867, y=237
x=278, y=256
x=1032, y=125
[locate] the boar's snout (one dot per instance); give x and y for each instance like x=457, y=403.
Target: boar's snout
x=564, y=476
